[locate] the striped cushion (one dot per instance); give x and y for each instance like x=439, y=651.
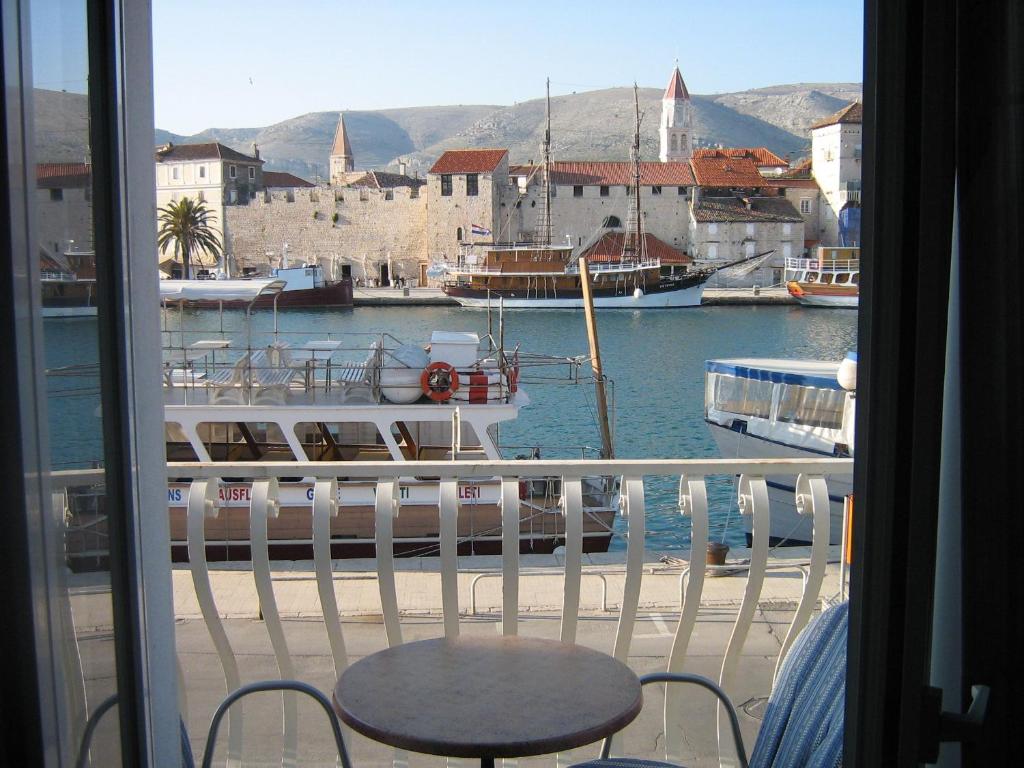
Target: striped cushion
x=803, y=723
x=624, y=762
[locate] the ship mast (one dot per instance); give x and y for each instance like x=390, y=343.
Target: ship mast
x=544, y=220
x=634, y=244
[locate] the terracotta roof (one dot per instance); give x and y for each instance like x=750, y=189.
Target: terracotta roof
x=521, y=170
x=726, y=172
x=676, y=87
x=787, y=182
x=384, y=180
x=63, y=175
x=341, y=146
x=851, y=113
x=597, y=173
x=801, y=170
x=468, y=161
x=762, y=209
x=213, y=150
x=762, y=156
x=609, y=248
x=282, y=179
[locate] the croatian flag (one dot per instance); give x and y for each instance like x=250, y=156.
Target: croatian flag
x=482, y=231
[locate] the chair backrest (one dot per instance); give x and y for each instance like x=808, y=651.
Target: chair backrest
x=803, y=722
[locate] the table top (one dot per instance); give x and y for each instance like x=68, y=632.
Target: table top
x=488, y=697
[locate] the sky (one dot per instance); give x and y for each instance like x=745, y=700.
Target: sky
x=229, y=64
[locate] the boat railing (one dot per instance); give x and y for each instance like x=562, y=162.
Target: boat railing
x=823, y=265
x=522, y=585
x=617, y=266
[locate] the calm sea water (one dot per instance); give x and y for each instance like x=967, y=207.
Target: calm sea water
x=655, y=359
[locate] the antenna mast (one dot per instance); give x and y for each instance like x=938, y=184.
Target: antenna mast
x=634, y=245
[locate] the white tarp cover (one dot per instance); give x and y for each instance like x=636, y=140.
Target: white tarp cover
x=218, y=290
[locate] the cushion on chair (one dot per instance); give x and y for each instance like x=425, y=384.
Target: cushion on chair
x=803, y=722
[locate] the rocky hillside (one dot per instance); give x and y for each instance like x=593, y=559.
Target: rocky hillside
x=590, y=125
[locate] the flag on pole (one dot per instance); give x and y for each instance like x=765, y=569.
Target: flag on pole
x=481, y=231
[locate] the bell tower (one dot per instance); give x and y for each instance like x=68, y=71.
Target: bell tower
x=676, y=129
x=342, y=160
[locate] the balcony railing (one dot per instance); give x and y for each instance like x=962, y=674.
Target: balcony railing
x=811, y=499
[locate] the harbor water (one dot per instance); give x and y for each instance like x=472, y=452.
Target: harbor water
x=655, y=359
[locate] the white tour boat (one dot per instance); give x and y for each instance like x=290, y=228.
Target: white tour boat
x=327, y=397
x=770, y=409
x=831, y=279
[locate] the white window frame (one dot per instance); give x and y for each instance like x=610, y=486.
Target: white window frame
x=232, y=171
x=805, y=205
x=202, y=171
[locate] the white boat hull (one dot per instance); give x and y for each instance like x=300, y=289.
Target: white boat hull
x=684, y=297
x=849, y=302
x=786, y=523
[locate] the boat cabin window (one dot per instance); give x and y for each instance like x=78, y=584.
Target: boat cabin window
x=746, y=397
x=842, y=278
x=826, y=278
x=244, y=441
x=811, y=406
x=432, y=440
x=856, y=278
x=342, y=441
x=812, y=277
x=178, y=446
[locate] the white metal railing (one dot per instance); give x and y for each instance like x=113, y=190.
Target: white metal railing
x=811, y=499
x=825, y=265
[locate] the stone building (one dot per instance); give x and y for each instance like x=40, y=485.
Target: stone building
x=737, y=213
x=675, y=132
x=767, y=162
x=466, y=188
x=213, y=173
x=836, y=165
x=64, y=201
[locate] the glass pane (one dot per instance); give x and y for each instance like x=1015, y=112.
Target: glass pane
x=811, y=406
x=67, y=254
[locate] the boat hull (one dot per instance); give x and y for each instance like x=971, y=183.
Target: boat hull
x=788, y=527
x=821, y=295
x=659, y=298
x=337, y=294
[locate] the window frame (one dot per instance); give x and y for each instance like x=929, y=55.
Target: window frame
x=472, y=184
x=446, y=185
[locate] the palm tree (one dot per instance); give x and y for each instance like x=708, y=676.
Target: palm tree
x=186, y=224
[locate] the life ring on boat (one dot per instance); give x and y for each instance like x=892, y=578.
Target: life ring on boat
x=439, y=381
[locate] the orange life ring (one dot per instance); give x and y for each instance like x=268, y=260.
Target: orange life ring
x=439, y=381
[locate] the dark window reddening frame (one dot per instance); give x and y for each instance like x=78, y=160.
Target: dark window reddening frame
x=472, y=184
x=446, y=185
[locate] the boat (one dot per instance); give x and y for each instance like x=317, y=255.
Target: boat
x=351, y=397
x=777, y=408
x=68, y=284
x=544, y=275
x=831, y=279
x=304, y=286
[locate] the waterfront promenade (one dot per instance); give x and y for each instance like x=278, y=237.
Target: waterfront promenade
x=419, y=594
x=422, y=297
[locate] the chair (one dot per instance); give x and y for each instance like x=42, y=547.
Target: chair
x=229, y=385
x=803, y=722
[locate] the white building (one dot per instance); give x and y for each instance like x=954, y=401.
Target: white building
x=676, y=128
x=836, y=165
x=212, y=173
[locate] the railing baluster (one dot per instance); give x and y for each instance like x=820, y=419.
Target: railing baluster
x=572, y=509
x=448, y=510
x=264, y=505
x=632, y=503
x=202, y=498
x=693, y=503
x=753, y=500
x=325, y=508
x=386, y=510
x=509, y=556
x=811, y=499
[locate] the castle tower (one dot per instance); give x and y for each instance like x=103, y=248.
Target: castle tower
x=676, y=130
x=342, y=159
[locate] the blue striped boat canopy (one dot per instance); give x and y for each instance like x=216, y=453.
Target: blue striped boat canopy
x=806, y=373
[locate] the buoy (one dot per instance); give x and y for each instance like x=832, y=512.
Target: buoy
x=439, y=381
x=638, y=293
x=847, y=373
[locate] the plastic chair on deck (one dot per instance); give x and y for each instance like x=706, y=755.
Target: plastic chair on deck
x=803, y=722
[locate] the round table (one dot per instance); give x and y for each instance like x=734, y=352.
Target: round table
x=487, y=697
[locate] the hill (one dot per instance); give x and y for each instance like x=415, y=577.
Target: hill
x=588, y=125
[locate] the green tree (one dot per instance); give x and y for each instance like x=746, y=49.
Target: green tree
x=186, y=225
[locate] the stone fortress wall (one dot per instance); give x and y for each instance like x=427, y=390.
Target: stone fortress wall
x=332, y=226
